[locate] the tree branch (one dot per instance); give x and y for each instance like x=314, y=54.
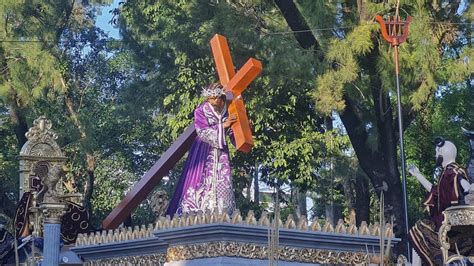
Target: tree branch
x=17, y=116
x=297, y=23
x=353, y=125
x=90, y=158
x=65, y=21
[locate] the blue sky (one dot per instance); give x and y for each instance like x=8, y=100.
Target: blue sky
x=103, y=20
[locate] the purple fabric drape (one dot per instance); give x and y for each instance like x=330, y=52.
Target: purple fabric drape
x=206, y=182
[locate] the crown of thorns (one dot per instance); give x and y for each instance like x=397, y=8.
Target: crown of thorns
x=213, y=90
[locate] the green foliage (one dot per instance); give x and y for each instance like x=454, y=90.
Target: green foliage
x=448, y=112
x=113, y=180
x=28, y=55
x=435, y=73
x=53, y=54
x=182, y=58
x=8, y=169
x=304, y=160
x=132, y=99
x=342, y=54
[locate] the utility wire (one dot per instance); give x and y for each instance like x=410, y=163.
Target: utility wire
x=264, y=33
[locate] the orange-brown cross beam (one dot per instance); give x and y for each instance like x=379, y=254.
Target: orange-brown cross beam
x=236, y=83
x=233, y=82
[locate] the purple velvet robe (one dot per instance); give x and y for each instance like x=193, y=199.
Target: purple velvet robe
x=206, y=182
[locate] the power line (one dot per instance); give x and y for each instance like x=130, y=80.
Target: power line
x=310, y=30
x=64, y=41
x=264, y=33
x=346, y=27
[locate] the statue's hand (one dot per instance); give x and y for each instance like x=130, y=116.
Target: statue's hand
x=413, y=170
x=230, y=120
x=416, y=173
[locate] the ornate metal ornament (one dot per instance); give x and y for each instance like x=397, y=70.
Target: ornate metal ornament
x=455, y=217
x=38, y=155
x=41, y=140
x=152, y=259
x=260, y=252
x=179, y=249
x=470, y=166
x=165, y=223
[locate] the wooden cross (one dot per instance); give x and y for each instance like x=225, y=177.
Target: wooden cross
x=234, y=82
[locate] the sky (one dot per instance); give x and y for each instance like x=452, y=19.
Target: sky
x=103, y=20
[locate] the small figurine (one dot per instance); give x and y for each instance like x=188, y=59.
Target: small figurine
x=49, y=192
x=159, y=203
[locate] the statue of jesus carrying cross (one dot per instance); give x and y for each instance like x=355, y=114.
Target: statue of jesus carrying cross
x=210, y=119
x=206, y=182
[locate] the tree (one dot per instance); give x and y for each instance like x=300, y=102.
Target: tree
x=22, y=78
x=54, y=61
x=358, y=78
x=26, y=70
x=8, y=167
x=170, y=43
x=448, y=112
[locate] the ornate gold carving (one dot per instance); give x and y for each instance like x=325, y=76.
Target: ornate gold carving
x=159, y=203
x=290, y=223
x=264, y=221
x=351, y=221
x=328, y=228
x=41, y=140
x=454, y=216
x=302, y=223
x=41, y=130
x=237, y=218
x=152, y=259
x=340, y=227
x=375, y=229
x=253, y=251
x=460, y=215
x=50, y=192
x=116, y=235
x=364, y=229
x=41, y=147
x=42, y=150
x=250, y=219
x=227, y=248
x=388, y=230
x=192, y=219
x=53, y=211
x=315, y=226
